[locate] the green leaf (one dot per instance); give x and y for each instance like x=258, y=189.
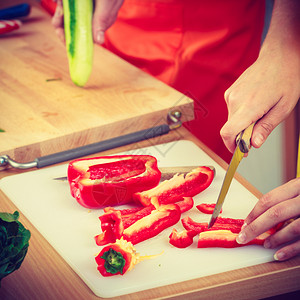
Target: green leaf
x=14, y=243
x=7, y=217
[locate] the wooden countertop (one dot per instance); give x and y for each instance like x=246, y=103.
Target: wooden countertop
x=45, y=275
x=44, y=112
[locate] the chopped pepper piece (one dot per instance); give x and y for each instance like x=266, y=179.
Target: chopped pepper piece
x=186, y=204
x=111, y=180
x=227, y=239
x=180, y=185
x=233, y=225
x=151, y=225
x=182, y=239
x=112, y=228
x=138, y=227
x=206, y=208
x=119, y=258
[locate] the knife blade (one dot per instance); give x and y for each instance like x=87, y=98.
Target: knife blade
x=242, y=147
x=166, y=172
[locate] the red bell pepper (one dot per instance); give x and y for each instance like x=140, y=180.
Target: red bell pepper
x=206, y=208
x=180, y=185
x=182, y=239
x=223, y=233
x=233, y=225
x=111, y=180
x=113, y=222
x=227, y=239
x=112, y=228
x=151, y=225
x=138, y=227
x=186, y=204
x=117, y=258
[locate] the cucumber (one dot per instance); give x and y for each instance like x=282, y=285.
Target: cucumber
x=79, y=38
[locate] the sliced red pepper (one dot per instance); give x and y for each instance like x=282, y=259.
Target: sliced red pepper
x=112, y=228
x=182, y=239
x=206, y=208
x=146, y=223
x=233, y=225
x=171, y=191
x=124, y=212
x=111, y=180
x=130, y=216
x=115, y=259
x=186, y=204
x=151, y=225
x=190, y=224
x=227, y=239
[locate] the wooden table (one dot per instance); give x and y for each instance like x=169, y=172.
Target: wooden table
x=44, y=274
x=43, y=111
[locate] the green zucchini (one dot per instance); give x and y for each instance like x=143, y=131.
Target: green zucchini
x=79, y=38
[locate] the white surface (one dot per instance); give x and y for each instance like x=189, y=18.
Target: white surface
x=264, y=167
x=70, y=228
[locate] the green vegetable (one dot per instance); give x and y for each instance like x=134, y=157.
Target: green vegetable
x=79, y=39
x=14, y=240
x=114, y=261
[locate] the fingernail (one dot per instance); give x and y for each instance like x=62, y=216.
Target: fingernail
x=243, y=226
x=258, y=140
x=241, y=238
x=100, y=37
x=279, y=255
x=267, y=244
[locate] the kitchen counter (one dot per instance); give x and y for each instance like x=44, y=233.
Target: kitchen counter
x=44, y=274
x=44, y=112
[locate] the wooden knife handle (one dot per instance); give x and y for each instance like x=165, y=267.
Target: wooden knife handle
x=243, y=140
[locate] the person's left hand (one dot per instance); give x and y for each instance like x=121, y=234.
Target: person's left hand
x=105, y=14
x=279, y=205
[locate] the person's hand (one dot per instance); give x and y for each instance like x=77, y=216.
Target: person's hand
x=269, y=89
x=105, y=14
x=280, y=205
x=265, y=93
x=58, y=20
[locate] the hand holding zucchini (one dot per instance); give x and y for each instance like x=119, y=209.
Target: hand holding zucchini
x=79, y=39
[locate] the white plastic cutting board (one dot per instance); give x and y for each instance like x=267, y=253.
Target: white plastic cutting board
x=70, y=228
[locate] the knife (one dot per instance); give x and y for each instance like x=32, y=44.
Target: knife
x=242, y=147
x=166, y=172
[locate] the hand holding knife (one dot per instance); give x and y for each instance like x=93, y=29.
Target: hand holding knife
x=242, y=147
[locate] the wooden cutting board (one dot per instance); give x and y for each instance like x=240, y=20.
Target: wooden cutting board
x=43, y=112
x=70, y=228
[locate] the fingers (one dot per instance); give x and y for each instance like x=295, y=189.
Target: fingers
x=290, y=190
x=270, y=121
x=273, y=216
x=288, y=252
x=58, y=21
x=106, y=12
x=280, y=205
x=289, y=233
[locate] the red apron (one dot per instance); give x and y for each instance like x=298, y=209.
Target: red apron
x=199, y=47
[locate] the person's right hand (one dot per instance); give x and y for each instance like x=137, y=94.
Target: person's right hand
x=105, y=14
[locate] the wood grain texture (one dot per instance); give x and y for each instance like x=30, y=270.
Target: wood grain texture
x=44, y=112
x=45, y=275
